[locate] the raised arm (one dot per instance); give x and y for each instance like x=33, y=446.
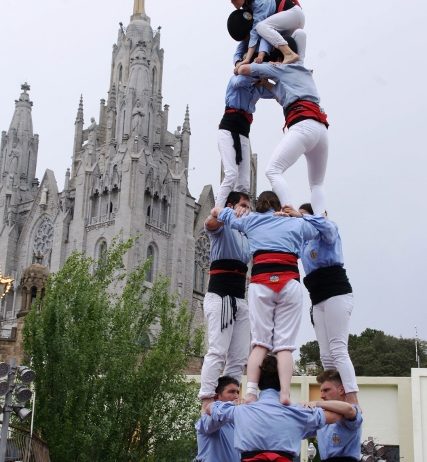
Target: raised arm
x=342, y=408
x=228, y=217
x=212, y=223
x=327, y=229
x=221, y=412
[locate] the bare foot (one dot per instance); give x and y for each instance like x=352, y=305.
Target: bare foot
x=290, y=58
x=250, y=398
x=285, y=398
x=205, y=404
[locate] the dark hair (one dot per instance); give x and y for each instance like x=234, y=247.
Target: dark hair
x=234, y=198
x=329, y=375
x=269, y=377
x=223, y=382
x=307, y=207
x=267, y=200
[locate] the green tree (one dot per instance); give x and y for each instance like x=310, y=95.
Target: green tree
x=109, y=358
x=374, y=353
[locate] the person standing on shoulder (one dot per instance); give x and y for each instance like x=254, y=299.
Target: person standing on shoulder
x=274, y=294
x=331, y=295
x=306, y=122
x=224, y=305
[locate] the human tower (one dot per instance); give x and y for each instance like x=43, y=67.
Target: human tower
x=269, y=63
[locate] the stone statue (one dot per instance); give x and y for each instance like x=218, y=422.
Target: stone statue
x=137, y=115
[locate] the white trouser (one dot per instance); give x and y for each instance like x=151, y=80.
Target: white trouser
x=285, y=21
x=275, y=316
x=229, y=347
x=236, y=177
x=308, y=137
x=331, y=323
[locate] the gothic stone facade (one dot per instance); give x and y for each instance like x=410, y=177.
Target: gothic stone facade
x=129, y=176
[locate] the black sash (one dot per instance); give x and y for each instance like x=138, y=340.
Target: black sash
x=327, y=282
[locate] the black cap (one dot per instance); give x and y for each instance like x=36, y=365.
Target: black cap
x=239, y=24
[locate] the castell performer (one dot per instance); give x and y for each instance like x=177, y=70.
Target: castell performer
x=215, y=442
x=233, y=136
x=242, y=23
x=339, y=441
x=289, y=17
x=267, y=430
x=224, y=305
x=274, y=293
x=331, y=296
x=306, y=123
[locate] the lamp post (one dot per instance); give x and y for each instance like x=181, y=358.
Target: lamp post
x=22, y=394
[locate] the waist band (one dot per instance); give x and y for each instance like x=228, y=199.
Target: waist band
x=327, y=282
x=274, y=269
x=283, y=5
x=231, y=110
x=272, y=456
x=302, y=110
x=236, y=121
x=228, y=278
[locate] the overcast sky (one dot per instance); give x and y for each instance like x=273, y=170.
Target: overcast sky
x=369, y=62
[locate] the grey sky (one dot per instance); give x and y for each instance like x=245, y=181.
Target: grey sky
x=369, y=64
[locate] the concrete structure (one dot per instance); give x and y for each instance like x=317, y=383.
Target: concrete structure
x=394, y=409
x=128, y=177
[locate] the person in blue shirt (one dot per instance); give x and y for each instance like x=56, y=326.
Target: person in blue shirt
x=274, y=293
x=224, y=306
x=241, y=96
x=339, y=441
x=306, y=122
x=249, y=13
x=331, y=295
x=268, y=430
x=215, y=442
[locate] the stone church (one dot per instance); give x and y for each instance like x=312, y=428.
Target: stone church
x=129, y=176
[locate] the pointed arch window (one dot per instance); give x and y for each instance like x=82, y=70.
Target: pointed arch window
x=153, y=80
x=120, y=74
x=151, y=255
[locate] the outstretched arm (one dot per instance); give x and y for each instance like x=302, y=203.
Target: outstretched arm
x=342, y=408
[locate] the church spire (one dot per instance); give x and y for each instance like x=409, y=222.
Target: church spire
x=138, y=10
x=138, y=7
x=19, y=147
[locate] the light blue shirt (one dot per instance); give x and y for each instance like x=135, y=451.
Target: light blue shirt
x=242, y=93
x=266, y=231
x=261, y=9
x=215, y=442
x=293, y=82
x=228, y=243
x=324, y=250
x=342, y=438
x=267, y=424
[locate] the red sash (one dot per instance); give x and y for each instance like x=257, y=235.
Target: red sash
x=268, y=456
x=301, y=109
x=278, y=279
x=282, y=5
x=246, y=115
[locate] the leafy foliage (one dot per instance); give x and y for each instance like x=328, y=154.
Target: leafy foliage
x=109, y=358
x=373, y=353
